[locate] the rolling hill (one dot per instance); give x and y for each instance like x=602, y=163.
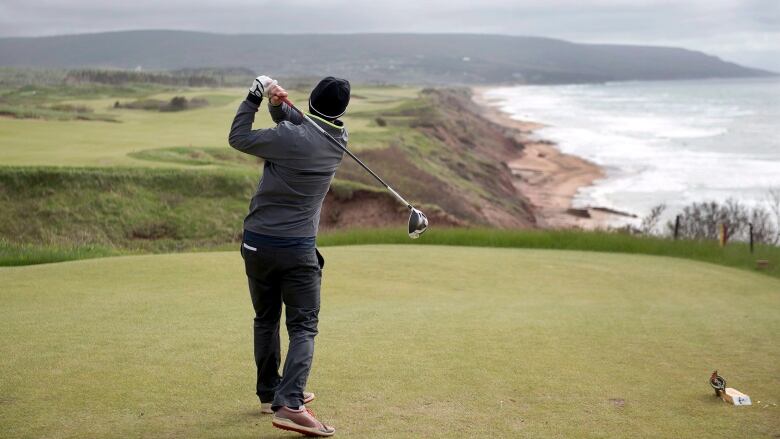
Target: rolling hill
x=372, y=58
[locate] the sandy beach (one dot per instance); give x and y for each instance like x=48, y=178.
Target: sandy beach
x=548, y=177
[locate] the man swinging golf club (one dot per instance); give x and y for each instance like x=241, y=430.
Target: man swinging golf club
x=281, y=261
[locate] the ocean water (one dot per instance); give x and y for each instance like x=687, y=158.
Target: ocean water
x=672, y=142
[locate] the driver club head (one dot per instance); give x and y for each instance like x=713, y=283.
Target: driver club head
x=418, y=223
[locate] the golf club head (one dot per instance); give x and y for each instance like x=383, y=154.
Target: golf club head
x=418, y=223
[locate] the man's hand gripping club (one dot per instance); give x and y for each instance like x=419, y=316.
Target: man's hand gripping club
x=264, y=86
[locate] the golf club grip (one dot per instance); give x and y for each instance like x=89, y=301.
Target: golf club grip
x=354, y=157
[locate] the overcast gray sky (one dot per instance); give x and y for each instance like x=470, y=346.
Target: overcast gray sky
x=745, y=31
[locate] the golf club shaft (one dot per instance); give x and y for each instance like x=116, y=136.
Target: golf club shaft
x=343, y=148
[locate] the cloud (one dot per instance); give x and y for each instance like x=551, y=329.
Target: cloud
x=735, y=29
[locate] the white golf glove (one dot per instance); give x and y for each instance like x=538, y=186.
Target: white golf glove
x=262, y=86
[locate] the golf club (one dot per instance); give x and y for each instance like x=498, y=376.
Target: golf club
x=418, y=222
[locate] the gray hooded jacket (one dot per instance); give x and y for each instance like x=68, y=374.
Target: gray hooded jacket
x=300, y=163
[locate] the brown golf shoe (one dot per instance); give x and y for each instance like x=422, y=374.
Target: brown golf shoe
x=301, y=421
x=265, y=407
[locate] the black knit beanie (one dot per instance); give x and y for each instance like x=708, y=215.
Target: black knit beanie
x=330, y=98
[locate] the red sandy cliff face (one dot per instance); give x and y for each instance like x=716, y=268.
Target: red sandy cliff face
x=472, y=187
x=368, y=209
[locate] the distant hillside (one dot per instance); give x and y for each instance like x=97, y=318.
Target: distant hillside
x=373, y=58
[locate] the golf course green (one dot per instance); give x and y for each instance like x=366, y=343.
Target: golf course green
x=415, y=341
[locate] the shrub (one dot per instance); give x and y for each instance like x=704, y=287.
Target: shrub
x=703, y=220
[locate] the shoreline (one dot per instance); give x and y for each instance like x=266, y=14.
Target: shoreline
x=549, y=178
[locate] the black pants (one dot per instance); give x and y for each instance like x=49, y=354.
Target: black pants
x=292, y=277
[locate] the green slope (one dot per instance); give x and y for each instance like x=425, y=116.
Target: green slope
x=414, y=342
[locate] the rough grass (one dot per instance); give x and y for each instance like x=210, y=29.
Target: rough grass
x=198, y=156
x=54, y=214
x=415, y=341
x=153, y=210
x=63, y=113
x=30, y=254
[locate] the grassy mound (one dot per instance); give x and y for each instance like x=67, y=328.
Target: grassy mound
x=414, y=342
x=56, y=214
x=146, y=209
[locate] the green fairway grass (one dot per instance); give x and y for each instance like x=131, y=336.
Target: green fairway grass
x=36, y=142
x=415, y=341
